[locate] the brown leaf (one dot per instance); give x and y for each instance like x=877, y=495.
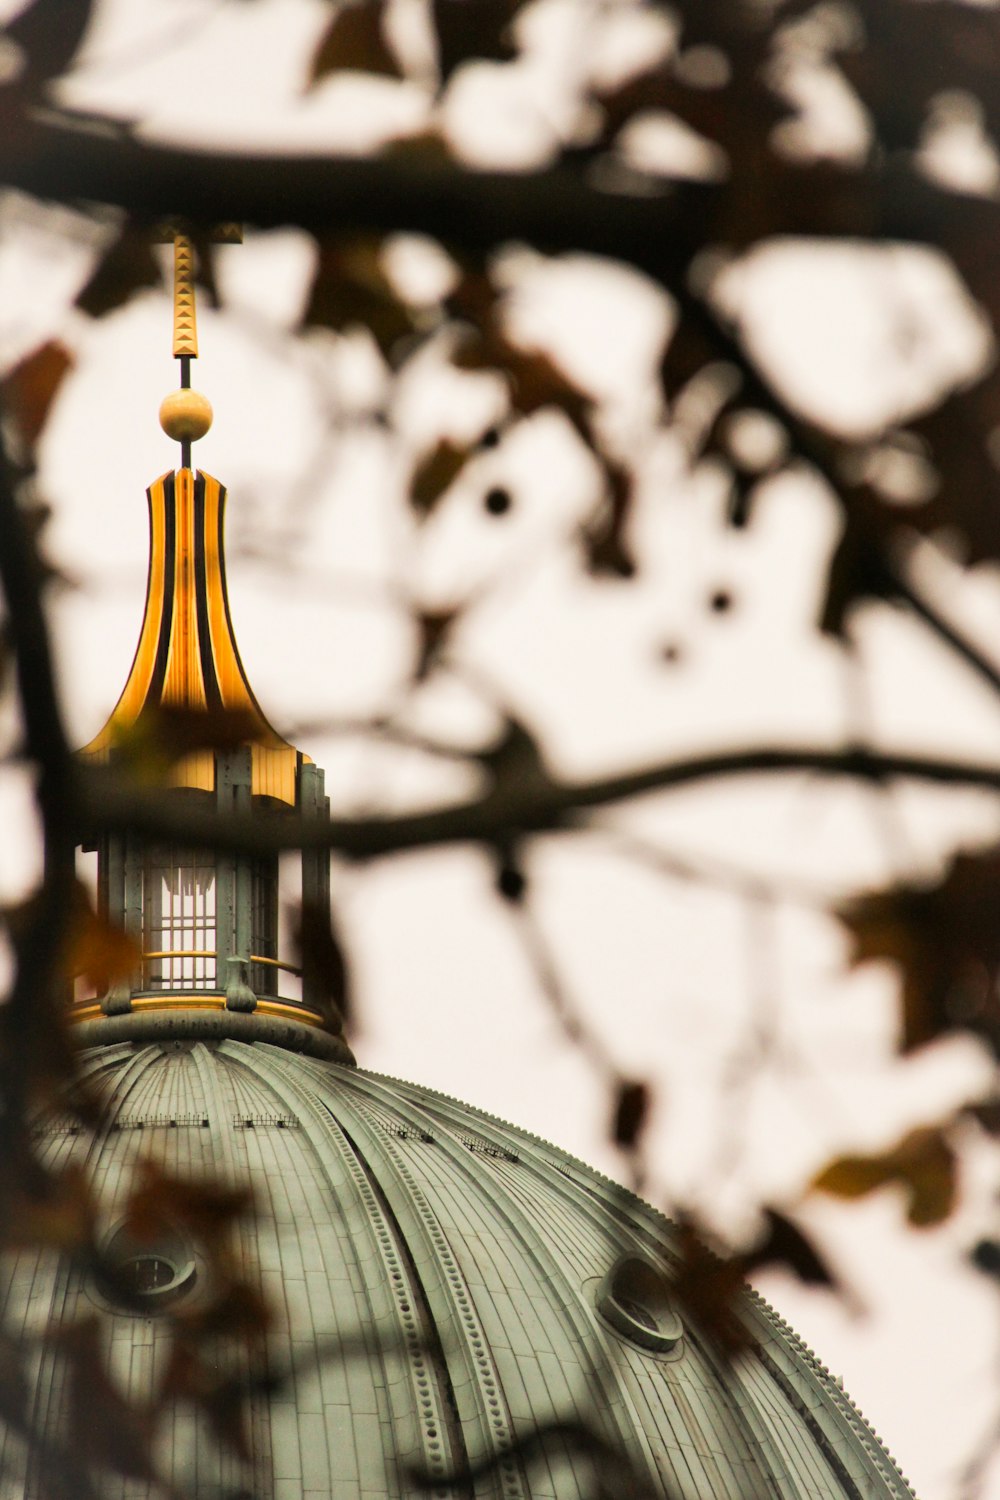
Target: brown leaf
x=923, y=1164
x=56, y=1211
x=641, y=91
x=945, y=941
x=473, y=29
x=987, y=1113
x=28, y=391
x=955, y=446
x=323, y=959
x=190, y=1376
x=709, y=1289
x=784, y=1244
x=960, y=437
x=856, y=572
x=161, y=1204
x=433, y=627
x=99, y=952
x=168, y=732
x=351, y=290
x=538, y=382
x=354, y=42
x=14, y=1387
x=472, y=301
x=420, y=149
x=104, y=1428
x=49, y=32
x=126, y=268
x=911, y=55
x=687, y=353
x=535, y=379
x=728, y=100
x=605, y=536
x=238, y=1312
x=35, y=1045
x=435, y=473
x=630, y=1114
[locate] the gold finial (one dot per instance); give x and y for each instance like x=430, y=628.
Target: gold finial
x=185, y=415
x=185, y=320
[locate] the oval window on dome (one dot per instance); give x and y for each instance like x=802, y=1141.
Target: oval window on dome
x=635, y=1299
x=143, y=1276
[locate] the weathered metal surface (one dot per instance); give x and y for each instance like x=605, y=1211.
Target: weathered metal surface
x=462, y=1263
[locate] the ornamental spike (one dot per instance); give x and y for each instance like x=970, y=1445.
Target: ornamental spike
x=185, y=317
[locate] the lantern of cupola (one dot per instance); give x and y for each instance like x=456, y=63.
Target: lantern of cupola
x=205, y=921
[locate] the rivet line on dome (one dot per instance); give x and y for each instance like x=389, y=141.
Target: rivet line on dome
x=487, y=1378
x=430, y=1418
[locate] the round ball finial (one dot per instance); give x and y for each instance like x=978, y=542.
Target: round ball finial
x=185, y=415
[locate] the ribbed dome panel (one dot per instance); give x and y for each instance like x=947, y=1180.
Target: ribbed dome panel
x=459, y=1263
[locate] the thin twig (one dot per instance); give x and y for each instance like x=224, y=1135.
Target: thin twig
x=820, y=452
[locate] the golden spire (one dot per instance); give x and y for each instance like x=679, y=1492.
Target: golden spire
x=187, y=655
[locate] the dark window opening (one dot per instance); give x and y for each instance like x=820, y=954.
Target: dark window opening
x=264, y=926
x=145, y=1278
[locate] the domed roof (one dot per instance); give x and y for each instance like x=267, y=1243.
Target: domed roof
x=444, y=1286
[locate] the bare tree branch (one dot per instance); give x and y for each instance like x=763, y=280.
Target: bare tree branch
x=513, y=804
x=78, y=158
x=40, y=940
x=822, y=452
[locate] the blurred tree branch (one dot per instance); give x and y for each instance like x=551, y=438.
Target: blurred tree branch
x=79, y=158
x=513, y=803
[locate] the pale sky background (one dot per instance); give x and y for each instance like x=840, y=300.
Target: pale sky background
x=766, y=1056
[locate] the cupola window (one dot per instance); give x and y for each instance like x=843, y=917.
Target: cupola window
x=179, y=920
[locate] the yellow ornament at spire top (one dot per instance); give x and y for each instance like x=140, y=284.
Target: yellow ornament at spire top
x=185, y=415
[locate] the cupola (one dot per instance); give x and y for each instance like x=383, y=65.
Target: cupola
x=204, y=921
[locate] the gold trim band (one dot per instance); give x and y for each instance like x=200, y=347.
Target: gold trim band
x=285, y=1010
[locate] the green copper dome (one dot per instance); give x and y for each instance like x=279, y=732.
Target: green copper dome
x=444, y=1285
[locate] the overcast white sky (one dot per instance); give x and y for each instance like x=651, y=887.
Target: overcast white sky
x=766, y=1056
